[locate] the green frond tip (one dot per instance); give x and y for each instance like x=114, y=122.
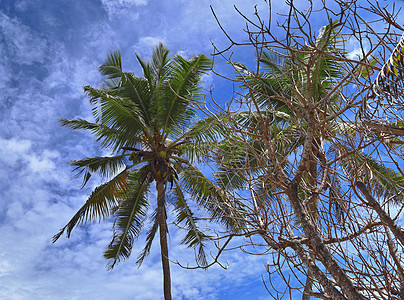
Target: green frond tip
x=112, y=66
x=78, y=124
x=160, y=61
x=109, y=137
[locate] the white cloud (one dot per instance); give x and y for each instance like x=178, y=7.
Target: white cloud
x=12, y=149
x=355, y=49
x=22, y=5
x=26, y=46
x=116, y=8
x=44, y=163
x=146, y=45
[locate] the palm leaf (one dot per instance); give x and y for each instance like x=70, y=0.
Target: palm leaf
x=195, y=237
x=202, y=137
x=117, y=114
x=392, y=70
x=222, y=209
x=342, y=128
x=180, y=91
x=147, y=72
x=105, y=166
x=99, y=205
x=160, y=62
x=140, y=91
x=129, y=220
x=151, y=233
x=208, y=133
x=385, y=181
x=112, y=66
x=329, y=37
x=268, y=88
x=281, y=74
x=108, y=137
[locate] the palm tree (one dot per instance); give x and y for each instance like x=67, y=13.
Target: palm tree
x=143, y=121
x=385, y=98
x=310, y=72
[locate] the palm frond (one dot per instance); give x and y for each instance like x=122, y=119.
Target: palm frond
x=230, y=178
x=392, y=72
x=279, y=75
x=104, y=166
x=79, y=124
x=342, y=128
x=271, y=63
x=267, y=87
x=151, y=233
x=207, y=134
x=232, y=156
x=112, y=66
x=384, y=180
x=109, y=138
x=210, y=129
x=222, y=209
x=329, y=37
x=129, y=220
x=202, y=136
x=160, y=62
x=147, y=73
x=386, y=92
x=387, y=181
x=140, y=91
x=116, y=113
x=99, y=205
x=239, y=158
x=180, y=92
x=367, y=69
x=194, y=238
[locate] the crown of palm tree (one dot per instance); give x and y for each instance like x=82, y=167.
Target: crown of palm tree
x=143, y=121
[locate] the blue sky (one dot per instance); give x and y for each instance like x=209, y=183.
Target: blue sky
x=49, y=50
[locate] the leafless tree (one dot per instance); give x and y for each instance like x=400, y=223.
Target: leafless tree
x=311, y=147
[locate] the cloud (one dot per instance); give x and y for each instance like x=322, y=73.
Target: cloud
x=47, y=53
x=146, y=45
x=116, y=8
x=356, y=49
x=26, y=47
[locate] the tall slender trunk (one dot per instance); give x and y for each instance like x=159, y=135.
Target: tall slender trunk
x=162, y=220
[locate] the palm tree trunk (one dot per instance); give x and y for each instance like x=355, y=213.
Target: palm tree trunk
x=162, y=217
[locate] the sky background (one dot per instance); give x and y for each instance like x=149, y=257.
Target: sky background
x=49, y=50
